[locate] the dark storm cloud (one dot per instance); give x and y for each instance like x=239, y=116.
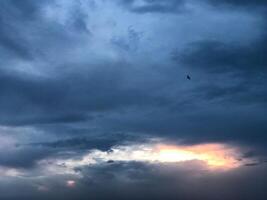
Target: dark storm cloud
x=133, y=180
x=19, y=94
x=102, y=143
x=234, y=76
x=220, y=57
x=34, y=152
x=241, y=3
x=10, y=39
x=243, y=93
x=21, y=21
x=29, y=100
x=73, y=75
x=81, y=143
x=243, y=66
x=154, y=6
x=227, y=123
x=23, y=157
x=70, y=100
x=75, y=96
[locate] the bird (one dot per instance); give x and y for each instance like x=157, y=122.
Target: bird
x=188, y=77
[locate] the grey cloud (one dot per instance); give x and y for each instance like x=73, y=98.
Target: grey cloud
x=12, y=14
x=68, y=99
x=70, y=81
x=147, y=181
x=134, y=180
x=154, y=6
x=219, y=57
x=245, y=3
x=28, y=34
x=130, y=43
x=101, y=142
x=23, y=157
x=243, y=67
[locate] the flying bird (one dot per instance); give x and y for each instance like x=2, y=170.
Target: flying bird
x=188, y=77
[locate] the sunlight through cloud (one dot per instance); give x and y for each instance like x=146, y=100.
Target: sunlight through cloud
x=213, y=156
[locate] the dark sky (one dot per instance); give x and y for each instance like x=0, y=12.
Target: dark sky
x=93, y=93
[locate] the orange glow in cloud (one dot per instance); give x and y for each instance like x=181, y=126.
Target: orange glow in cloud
x=214, y=155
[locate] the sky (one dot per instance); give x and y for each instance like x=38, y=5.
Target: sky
x=95, y=100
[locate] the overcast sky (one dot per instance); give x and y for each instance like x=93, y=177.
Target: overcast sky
x=93, y=93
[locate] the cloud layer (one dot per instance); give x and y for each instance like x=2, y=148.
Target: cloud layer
x=90, y=76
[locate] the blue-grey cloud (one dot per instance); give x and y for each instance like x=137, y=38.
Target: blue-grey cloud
x=154, y=6
x=83, y=75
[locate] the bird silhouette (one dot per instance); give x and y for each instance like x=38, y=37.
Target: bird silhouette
x=188, y=77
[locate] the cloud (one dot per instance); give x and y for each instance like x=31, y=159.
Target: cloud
x=219, y=57
x=134, y=180
x=246, y=3
x=13, y=156
x=89, y=76
x=86, y=143
x=153, y=6
x=140, y=180
x=130, y=43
